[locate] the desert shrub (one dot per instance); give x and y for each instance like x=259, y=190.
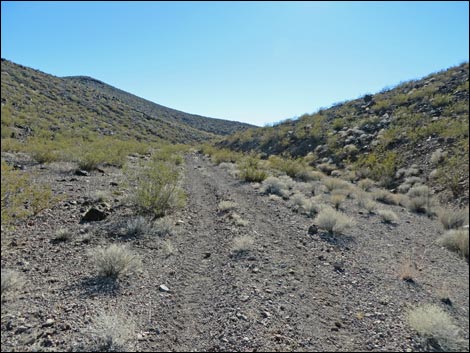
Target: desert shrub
x=403, y=188
x=224, y=155
x=21, y=196
x=435, y=326
x=438, y=156
x=337, y=200
x=385, y=197
x=451, y=218
x=364, y=201
x=225, y=206
x=114, y=261
x=419, y=191
x=157, y=190
x=292, y=167
x=242, y=244
x=333, y=221
x=273, y=185
x=456, y=240
x=163, y=227
x=420, y=204
x=62, y=235
x=326, y=168
x=335, y=184
x=304, y=205
x=387, y=216
x=137, y=227
x=238, y=220
x=12, y=281
x=378, y=167
x=253, y=175
x=111, y=333
x=366, y=184
x=251, y=171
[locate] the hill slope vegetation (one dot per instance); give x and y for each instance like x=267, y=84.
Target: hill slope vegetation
x=417, y=129
x=35, y=103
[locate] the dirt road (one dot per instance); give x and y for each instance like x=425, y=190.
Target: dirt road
x=290, y=291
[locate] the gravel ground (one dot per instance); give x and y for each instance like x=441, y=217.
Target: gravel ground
x=290, y=290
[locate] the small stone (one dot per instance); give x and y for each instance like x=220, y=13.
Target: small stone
x=163, y=288
x=21, y=329
x=265, y=314
x=48, y=323
x=241, y=317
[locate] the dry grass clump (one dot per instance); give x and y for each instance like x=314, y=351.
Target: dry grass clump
x=231, y=168
x=366, y=184
x=451, y=218
x=238, y=220
x=419, y=191
x=115, y=260
x=388, y=216
x=163, y=227
x=277, y=186
x=305, y=188
x=456, y=240
x=326, y=168
x=435, y=326
x=438, y=156
x=421, y=204
x=225, y=206
x=137, y=227
x=242, y=244
x=408, y=271
x=12, y=281
x=337, y=199
x=310, y=175
x=385, y=197
x=333, y=221
x=62, y=235
x=168, y=248
x=304, y=205
x=335, y=184
x=111, y=333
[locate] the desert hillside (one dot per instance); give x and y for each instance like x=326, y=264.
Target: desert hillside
x=328, y=233
x=417, y=129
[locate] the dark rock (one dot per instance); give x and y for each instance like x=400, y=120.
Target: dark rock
x=113, y=183
x=81, y=172
x=313, y=229
x=446, y=301
x=94, y=214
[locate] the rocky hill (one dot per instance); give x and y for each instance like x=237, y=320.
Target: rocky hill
x=35, y=103
x=418, y=129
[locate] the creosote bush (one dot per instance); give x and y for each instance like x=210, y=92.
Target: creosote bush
x=157, y=188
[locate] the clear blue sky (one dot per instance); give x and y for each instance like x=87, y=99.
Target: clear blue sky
x=257, y=62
